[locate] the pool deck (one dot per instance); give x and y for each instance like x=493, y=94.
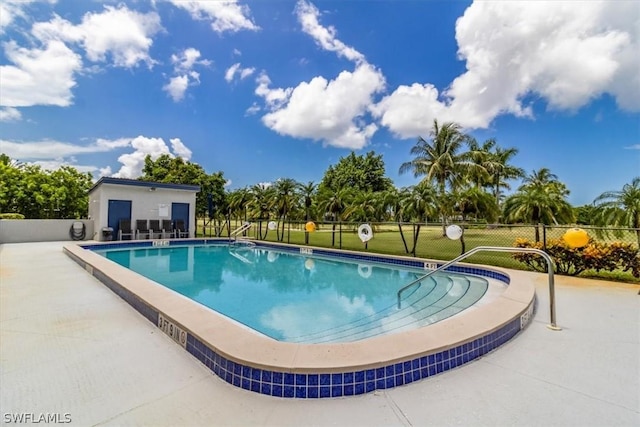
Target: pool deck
x=68, y=345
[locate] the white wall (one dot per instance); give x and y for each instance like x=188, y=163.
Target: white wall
x=145, y=204
x=40, y=230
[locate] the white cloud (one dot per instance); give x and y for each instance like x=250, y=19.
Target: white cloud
x=566, y=52
x=325, y=36
x=633, y=147
x=10, y=9
x=187, y=59
x=48, y=149
x=10, y=114
x=184, y=75
x=39, y=76
x=54, y=154
x=121, y=34
x=177, y=87
x=224, y=15
x=133, y=163
x=331, y=111
x=235, y=69
x=179, y=149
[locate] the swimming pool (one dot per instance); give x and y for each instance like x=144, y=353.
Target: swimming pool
x=302, y=298
x=261, y=364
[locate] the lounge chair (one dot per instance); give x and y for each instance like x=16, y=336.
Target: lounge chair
x=154, y=229
x=124, y=229
x=181, y=229
x=142, y=229
x=167, y=229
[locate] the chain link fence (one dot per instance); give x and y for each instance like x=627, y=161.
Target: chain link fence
x=423, y=240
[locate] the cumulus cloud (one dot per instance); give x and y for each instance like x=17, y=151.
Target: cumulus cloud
x=236, y=69
x=325, y=37
x=223, y=15
x=11, y=9
x=121, y=34
x=39, y=76
x=132, y=163
x=184, y=76
x=53, y=154
x=10, y=114
x=177, y=87
x=563, y=52
x=331, y=111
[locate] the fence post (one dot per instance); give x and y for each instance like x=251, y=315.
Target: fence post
x=544, y=237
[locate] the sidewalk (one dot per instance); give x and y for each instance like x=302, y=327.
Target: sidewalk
x=68, y=345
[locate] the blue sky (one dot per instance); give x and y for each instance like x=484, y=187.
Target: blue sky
x=263, y=90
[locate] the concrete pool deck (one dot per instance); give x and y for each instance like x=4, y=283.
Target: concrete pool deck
x=68, y=345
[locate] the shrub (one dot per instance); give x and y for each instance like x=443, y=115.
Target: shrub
x=11, y=216
x=573, y=261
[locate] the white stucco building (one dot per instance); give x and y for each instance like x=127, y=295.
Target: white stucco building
x=114, y=199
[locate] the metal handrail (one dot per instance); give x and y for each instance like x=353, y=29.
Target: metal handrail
x=550, y=268
x=242, y=228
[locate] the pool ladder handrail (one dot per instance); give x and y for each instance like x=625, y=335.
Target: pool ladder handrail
x=550, y=267
x=244, y=227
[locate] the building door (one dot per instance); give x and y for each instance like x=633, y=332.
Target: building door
x=180, y=211
x=118, y=209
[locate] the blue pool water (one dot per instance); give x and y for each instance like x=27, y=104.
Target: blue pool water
x=296, y=298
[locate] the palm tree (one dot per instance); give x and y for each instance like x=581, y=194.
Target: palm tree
x=620, y=208
x=440, y=160
x=284, y=201
x=475, y=201
x=420, y=202
x=238, y=202
x=540, y=199
x=260, y=205
x=308, y=192
x=480, y=157
x=334, y=204
x=395, y=210
x=500, y=170
x=365, y=206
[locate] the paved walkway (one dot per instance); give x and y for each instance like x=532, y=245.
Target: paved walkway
x=69, y=346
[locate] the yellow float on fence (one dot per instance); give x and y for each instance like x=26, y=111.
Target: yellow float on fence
x=310, y=226
x=576, y=238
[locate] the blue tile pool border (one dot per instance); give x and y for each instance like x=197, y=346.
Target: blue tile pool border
x=321, y=384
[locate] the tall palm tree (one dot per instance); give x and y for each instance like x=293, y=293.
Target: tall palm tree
x=285, y=200
x=475, y=201
x=480, y=157
x=365, y=206
x=500, y=170
x=260, y=205
x=395, y=210
x=620, y=208
x=440, y=160
x=308, y=193
x=333, y=204
x=238, y=202
x=420, y=202
x=540, y=199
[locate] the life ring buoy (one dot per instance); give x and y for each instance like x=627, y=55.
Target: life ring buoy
x=272, y=225
x=310, y=227
x=365, y=233
x=364, y=270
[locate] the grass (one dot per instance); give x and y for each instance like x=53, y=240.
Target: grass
x=431, y=244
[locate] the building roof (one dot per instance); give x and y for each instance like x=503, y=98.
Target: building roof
x=147, y=184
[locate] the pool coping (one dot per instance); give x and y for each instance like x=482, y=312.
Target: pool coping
x=261, y=364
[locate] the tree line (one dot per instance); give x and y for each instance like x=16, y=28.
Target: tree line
x=459, y=179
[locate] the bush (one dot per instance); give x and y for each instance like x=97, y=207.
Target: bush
x=573, y=261
x=11, y=216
